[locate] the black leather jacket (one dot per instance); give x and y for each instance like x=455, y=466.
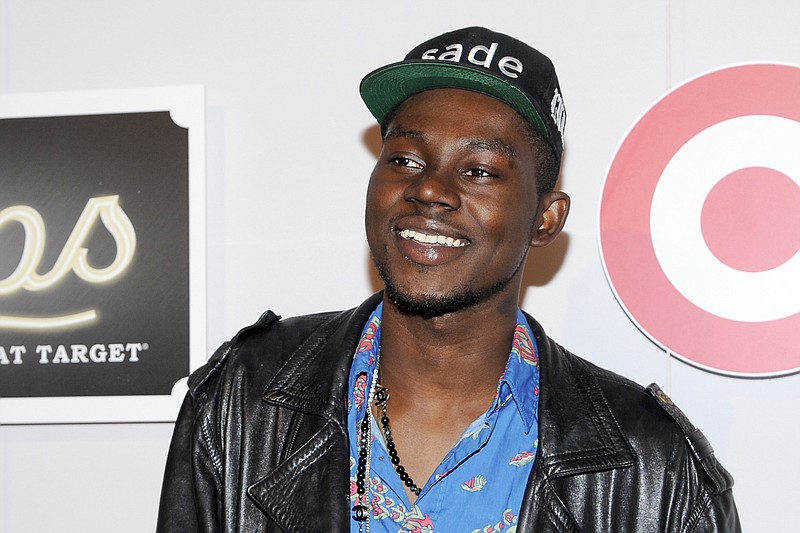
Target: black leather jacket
x=261, y=442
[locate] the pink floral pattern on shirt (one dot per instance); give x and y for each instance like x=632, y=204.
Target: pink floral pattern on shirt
x=522, y=346
x=522, y=458
x=360, y=391
x=384, y=507
x=507, y=524
x=367, y=343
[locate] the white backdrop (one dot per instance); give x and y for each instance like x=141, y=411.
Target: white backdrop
x=288, y=157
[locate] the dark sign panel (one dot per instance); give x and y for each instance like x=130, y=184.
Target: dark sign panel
x=95, y=288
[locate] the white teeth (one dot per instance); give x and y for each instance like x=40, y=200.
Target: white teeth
x=432, y=239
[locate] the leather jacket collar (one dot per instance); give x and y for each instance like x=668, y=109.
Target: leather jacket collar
x=575, y=437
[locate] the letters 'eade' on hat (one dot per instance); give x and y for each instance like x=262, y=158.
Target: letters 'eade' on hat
x=480, y=60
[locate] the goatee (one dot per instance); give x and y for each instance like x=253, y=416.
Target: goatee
x=433, y=305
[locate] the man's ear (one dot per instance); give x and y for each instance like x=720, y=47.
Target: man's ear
x=550, y=219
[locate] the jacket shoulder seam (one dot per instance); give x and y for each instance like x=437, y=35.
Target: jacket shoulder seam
x=201, y=376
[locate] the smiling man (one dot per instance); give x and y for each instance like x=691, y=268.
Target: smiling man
x=438, y=405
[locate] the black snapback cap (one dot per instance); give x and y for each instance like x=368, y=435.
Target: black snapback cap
x=481, y=60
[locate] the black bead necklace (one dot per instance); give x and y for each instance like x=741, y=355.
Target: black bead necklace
x=381, y=397
x=360, y=509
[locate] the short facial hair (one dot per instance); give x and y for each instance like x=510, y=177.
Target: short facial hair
x=430, y=306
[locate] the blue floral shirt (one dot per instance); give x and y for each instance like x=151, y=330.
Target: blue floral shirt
x=479, y=485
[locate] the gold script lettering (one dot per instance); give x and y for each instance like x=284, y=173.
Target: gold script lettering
x=73, y=257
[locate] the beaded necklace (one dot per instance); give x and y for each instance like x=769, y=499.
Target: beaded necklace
x=380, y=396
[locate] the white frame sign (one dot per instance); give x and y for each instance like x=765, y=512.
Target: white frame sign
x=102, y=254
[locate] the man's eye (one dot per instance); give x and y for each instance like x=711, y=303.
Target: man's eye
x=479, y=173
x=405, y=162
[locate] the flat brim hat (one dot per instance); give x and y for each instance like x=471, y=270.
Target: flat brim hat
x=475, y=59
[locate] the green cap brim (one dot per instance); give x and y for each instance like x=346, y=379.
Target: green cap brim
x=385, y=88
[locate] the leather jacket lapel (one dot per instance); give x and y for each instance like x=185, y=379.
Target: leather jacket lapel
x=312, y=483
x=308, y=491
x=578, y=434
x=305, y=383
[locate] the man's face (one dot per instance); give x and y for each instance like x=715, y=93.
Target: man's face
x=452, y=207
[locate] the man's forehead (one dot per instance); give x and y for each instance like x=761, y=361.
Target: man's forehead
x=420, y=113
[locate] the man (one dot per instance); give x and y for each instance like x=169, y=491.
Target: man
x=438, y=405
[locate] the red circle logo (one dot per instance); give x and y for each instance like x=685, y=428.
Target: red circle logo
x=700, y=221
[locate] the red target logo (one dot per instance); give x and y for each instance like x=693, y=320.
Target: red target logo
x=700, y=221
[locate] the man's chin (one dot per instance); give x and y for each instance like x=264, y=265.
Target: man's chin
x=428, y=305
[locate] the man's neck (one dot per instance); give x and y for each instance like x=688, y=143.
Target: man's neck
x=453, y=354
x=442, y=374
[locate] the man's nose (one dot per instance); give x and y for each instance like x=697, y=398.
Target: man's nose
x=435, y=187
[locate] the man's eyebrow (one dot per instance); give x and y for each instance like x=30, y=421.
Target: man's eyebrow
x=402, y=133
x=492, y=145
x=489, y=145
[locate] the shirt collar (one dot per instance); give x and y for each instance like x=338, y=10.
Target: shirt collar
x=364, y=361
x=519, y=382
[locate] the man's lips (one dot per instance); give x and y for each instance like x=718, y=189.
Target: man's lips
x=432, y=238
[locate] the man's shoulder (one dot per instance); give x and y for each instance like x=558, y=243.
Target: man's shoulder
x=653, y=424
x=262, y=347
x=626, y=399
x=639, y=410
x=632, y=403
x=273, y=344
